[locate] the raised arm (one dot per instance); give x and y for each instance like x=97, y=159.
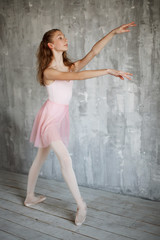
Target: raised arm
x=101, y=43
x=98, y=46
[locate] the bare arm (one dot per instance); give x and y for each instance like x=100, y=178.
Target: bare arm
x=98, y=46
x=79, y=64
x=93, y=52
x=52, y=74
x=102, y=42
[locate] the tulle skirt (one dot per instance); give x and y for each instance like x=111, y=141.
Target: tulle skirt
x=51, y=123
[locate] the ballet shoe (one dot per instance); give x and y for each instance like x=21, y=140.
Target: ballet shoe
x=41, y=198
x=81, y=215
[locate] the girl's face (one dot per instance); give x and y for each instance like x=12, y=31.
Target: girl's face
x=60, y=42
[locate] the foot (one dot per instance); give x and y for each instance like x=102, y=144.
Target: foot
x=34, y=200
x=81, y=214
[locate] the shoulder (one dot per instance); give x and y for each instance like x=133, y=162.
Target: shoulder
x=46, y=74
x=48, y=70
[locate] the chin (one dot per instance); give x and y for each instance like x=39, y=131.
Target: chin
x=65, y=49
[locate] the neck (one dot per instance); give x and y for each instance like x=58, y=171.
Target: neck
x=58, y=59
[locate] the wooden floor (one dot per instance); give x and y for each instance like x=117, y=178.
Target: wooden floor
x=110, y=216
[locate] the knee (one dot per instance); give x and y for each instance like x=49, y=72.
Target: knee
x=66, y=163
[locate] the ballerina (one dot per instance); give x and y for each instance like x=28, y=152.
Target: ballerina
x=51, y=125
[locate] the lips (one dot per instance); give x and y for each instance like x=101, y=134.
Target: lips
x=66, y=45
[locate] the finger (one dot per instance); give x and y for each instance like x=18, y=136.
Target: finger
x=129, y=24
x=132, y=25
x=125, y=27
x=125, y=75
x=128, y=77
x=120, y=77
x=126, y=30
x=129, y=73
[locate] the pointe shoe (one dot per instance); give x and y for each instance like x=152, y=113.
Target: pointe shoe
x=81, y=215
x=40, y=198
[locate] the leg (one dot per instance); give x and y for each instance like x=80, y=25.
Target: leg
x=69, y=176
x=41, y=156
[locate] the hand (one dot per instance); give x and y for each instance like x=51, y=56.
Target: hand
x=123, y=28
x=119, y=74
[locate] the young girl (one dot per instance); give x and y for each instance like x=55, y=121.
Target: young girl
x=51, y=125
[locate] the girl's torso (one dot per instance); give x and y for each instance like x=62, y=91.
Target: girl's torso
x=60, y=91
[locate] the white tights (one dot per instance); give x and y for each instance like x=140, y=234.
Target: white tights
x=66, y=167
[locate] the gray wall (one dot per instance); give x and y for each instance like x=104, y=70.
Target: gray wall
x=115, y=130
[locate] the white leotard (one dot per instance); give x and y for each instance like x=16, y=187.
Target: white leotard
x=60, y=91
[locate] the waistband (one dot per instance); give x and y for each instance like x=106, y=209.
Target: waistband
x=67, y=105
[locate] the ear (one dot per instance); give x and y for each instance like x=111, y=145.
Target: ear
x=50, y=45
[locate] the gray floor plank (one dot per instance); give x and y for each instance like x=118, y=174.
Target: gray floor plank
x=110, y=216
x=95, y=192
x=22, y=232
x=92, y=215
x=100, y=196
x=117, y=212
x=111, y=227
x=104, y=206
x=49, y=226
x=6, y=236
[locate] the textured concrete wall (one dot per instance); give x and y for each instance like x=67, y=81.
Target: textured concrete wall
x=115, y=129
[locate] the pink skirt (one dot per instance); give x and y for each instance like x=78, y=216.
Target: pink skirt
x=51, y=123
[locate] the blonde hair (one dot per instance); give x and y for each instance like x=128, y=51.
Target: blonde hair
x=45, y=55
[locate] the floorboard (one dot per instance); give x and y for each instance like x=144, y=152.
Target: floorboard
x=110, y=215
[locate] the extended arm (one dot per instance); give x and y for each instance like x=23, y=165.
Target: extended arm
x=98, y=46
x=52, y=74
x=78, y=65
x=102, y=42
